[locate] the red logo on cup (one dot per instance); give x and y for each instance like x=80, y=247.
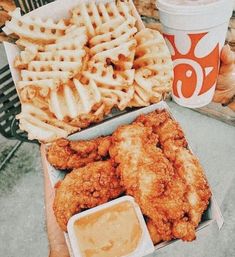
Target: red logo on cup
x=193, y=75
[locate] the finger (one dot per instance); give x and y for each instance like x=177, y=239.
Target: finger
x=56, y=238
x=227, y=56
x=225, y=81
x=232, y=105
x=221, y=96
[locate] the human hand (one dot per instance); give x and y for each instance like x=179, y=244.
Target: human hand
x=57, y=244
x=225, y=88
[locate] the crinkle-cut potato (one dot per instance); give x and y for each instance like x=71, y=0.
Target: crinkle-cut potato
x=25, y=57
x=24, y=43
x=154, y=68
x=74, y=99
x=105, y=75
x=35, y=29
x=115, y=43
x=117, y=97
x=97, y=114
x=60, y=61
x=41, y=125
x=116, y=87
x=62, y=76
x=115, y=35
x=151, y=49
x=121, y=56
x=74, y=71
x=94, y=15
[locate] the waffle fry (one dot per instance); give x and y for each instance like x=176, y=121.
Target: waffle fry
x=115, y=44
x=62, y=76
x=42, y=126
x=36, y=29
x=96, y=115
x=117, y=97
x=60, y=61
x=112, y=34
x=25, y=43
x=74, y=72
x=72, y=44
x=104, y=75
x=74, y=99
x=50, y=83
x=25, y=57
x=61, y=55
x=154, y=68
x=110, y=28
x=94, y=15
x=115, y=86
x=151, y=49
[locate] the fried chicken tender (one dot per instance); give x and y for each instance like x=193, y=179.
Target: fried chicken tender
x=84, y=188
x=188, y=168
x=65, y=154
x=155, y=237
x=149, y=176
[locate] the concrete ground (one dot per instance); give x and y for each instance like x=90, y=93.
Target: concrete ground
x=22, y=220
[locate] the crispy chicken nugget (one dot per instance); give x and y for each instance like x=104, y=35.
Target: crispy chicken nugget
x=84, y=188
x=65, y=154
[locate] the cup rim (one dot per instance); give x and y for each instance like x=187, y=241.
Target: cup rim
x=162, y=5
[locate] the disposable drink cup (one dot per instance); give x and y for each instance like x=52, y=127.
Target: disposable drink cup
x=195, y=32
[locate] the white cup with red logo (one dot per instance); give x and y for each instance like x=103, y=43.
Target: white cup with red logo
x=195, y=32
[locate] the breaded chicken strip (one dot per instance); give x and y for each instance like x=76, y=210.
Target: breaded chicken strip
x=84, y=188
x=65, y=154
x=188, y=168
x=149, y=176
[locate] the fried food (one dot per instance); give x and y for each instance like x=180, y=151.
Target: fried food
x=153, y=164
x=75, y=71
x=41, y=124
x=196, y=190
x=69, y=107
x=35, y=29
x=149, y=176
x=93, y=16
x=64, y=154
x=115, y=87
x=154, y=68
x=86, y=187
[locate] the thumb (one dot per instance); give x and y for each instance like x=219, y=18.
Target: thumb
x=227, y=56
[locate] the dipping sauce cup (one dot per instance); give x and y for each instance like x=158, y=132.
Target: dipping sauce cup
x=116, y=228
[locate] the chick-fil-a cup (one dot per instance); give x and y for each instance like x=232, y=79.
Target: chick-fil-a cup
x=195, y=32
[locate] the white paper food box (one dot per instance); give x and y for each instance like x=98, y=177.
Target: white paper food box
x=212, y=213
x=60, y=9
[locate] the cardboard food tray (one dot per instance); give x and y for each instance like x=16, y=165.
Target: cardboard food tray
x=61, y=10
x=212, y=213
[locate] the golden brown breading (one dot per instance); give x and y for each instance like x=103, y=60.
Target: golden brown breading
x=153, y=232
x=149, y=176
x=85, y=187
x=188, y=168
x=65, y=154
x=155, y=166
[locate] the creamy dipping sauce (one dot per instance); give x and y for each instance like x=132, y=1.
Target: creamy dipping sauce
x=111, y=232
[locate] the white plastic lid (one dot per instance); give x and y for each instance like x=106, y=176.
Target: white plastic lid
x=170, y=7
x=194, y=16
